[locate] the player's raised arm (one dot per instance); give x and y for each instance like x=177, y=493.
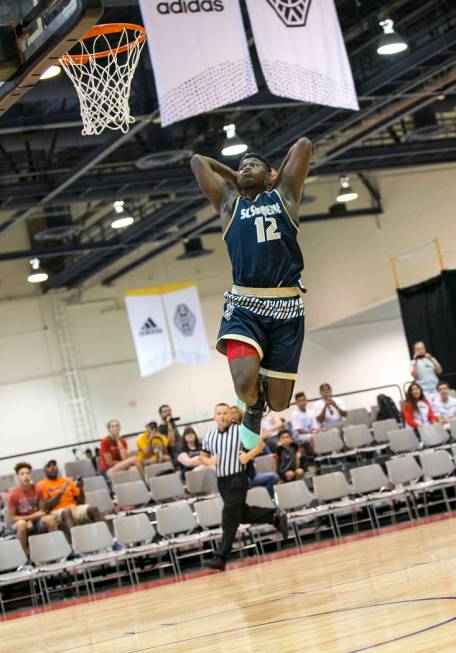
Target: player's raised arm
x=294, y=169
x=215, y=179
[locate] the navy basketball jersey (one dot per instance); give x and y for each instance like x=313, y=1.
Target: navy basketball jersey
x=262, y=243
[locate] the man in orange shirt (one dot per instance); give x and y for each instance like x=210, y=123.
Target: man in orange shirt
x=65, y=499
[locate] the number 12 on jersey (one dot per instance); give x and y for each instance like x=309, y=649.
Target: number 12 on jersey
x=270, y=233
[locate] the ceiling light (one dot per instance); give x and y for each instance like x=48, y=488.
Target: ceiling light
x=52, y=71
x=121, y=223
x=232, y=145
x=346, y=192
x=390, y=42
x=36, y=276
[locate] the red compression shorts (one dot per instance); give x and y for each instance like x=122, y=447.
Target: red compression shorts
x=238, y=349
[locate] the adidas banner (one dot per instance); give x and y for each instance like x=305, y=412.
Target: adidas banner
x=199, y=55
x=302, y=52
x=186, y=324
x=149, y=329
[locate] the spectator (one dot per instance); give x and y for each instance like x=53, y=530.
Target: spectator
x=190, y=452
x=168, y=427
x=424, y=368
x=271, y=425
x=89, y=455
x=416, y=409
x=65, y=499
x=236, y=415
x=329, y=412
x=26, y=507
x=114, y=452
x=444, y=404
x=303, y=423
x=152, y=445
x=288, y=458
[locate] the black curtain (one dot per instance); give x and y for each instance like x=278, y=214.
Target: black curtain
x=429, y=314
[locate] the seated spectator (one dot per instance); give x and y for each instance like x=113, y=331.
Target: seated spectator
x=444, y=405
x=26, y=507
x=288, y=458
x=303, y=422
x=416, y=409
x=89, y=455
x=424, y=368
x=236, y=415
x=152, y=445
x=329, y=412
x=189, y=455
x=114, y=453
x=271, y=425
x=167, y=427
x=65, y=499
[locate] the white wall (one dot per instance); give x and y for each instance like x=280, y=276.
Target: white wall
x=347, y=272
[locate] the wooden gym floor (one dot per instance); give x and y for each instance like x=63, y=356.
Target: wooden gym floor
x=392, y=592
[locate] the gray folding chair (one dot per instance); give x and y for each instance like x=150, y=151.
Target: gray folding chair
x=403, y=440
x=127, y=476
x=453, y=429
x=83, y=468
x=94, y=543
x=12, y=558
x=374, y=413
x=303, y=509
x=438, y=466
x=163, y=488
x=137, y=534
x=176, y=523
x=405, y=469
x=132, y=494
x=209, y=514
x=329, y=445
x=371, y=480
x=259, y=496
x=201, y=481
x=49, y=553
x=334, y=487
x=262, y=533
x=359, y=438
x=381, y=429
x=38, y=475
x=264, y=464
x=92, y=483
x=433, y=435
x=357, y=416
x=7, y=481
x=101, y=499
x=155, y=469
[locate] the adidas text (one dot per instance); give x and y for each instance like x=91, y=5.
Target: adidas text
x=189, y=6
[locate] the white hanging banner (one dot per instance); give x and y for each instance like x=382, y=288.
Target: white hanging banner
x=186, y=324
x=149, y=329
x=302, y=51
x=199, y=55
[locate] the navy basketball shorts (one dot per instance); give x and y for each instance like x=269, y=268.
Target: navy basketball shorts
x=274, y=326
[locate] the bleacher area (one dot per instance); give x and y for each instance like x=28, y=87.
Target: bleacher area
x=373, y=475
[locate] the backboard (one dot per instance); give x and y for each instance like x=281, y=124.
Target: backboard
x=33, y=35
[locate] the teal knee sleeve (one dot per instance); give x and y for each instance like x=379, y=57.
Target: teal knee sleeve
x=249, y=438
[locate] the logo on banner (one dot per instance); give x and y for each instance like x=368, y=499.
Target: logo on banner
x=149, y=328
x=292, y=13
x=189, y=6
x=184, y=320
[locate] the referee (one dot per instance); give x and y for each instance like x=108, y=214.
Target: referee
x=222, y=447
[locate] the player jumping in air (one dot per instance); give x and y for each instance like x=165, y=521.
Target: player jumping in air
x=262, y=329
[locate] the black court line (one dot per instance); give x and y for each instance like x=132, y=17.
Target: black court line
x=412, y=634
x=309, y=616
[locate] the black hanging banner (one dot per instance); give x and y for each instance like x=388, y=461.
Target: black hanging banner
x=429, y=314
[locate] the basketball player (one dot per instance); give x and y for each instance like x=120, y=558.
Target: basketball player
x=262, y=329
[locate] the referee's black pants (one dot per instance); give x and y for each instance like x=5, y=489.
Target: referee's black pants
x=233, y=490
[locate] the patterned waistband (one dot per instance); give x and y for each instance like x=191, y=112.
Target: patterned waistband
x=277, y=308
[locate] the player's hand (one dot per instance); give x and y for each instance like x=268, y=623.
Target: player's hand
x=273, y=179
x=244, y=457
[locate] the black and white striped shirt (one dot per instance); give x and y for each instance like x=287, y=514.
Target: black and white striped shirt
x=226, y=445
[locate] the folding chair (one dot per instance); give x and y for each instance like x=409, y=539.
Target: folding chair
x=358, y=416
x=329, y=445
x=370, y=480
x=101, y=499
x=297, y=500
x=49, y=553
x=438, y=466
x=166, y=487
x=7, y=481
x=83, y=468
x=405, y=469
x=132, y=494
x=264, y=464
x=92, y=483
x=335, y=487
x=403, y=440
x=38, y=475
x=201, y=481
x=128, y=476
x=137, y=534
x=433, y=435
x=453, y=429
x=94, y=543
x=261, y=533
x=359, y=438
x=155, y=469
x=12, y=558
x=381, y=428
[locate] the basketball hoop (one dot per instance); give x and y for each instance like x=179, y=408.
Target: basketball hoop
x=102, y=72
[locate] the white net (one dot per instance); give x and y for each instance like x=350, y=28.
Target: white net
x=103, y=83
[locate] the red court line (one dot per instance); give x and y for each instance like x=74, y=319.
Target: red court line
x=59, y=605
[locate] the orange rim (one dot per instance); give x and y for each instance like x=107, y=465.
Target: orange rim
x=97, y=30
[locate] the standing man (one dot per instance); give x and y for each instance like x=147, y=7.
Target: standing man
x=330, y=413
x=222, y=447
x=262, y=329
x=425, y=369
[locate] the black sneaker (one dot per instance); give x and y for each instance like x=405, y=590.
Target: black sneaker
x=281, y=522
x=253, y=416
x=216, y=563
